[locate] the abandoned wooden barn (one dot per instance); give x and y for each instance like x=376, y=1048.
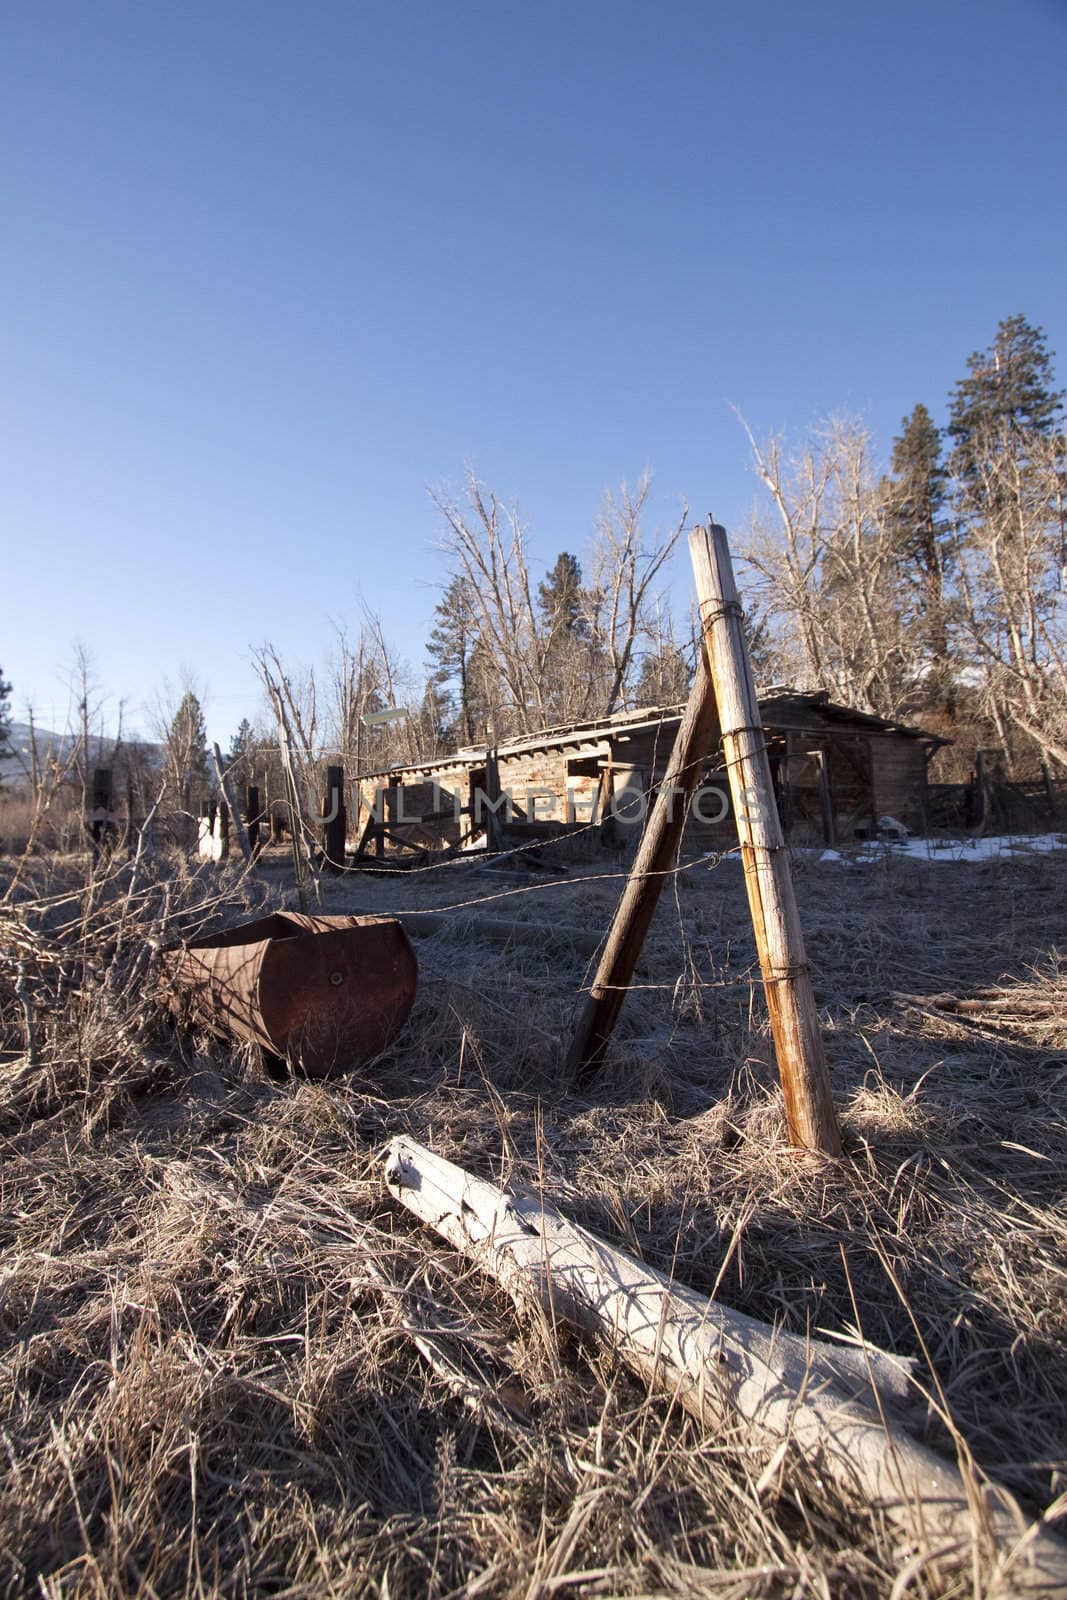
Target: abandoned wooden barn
x=837, y=771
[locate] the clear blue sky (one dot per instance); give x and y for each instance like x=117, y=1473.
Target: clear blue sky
x=269, y=271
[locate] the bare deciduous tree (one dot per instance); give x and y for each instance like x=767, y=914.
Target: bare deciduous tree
x=623, y=566
x=486, y=544
x=572, y=650
x=1011, y=593
x=827, y=572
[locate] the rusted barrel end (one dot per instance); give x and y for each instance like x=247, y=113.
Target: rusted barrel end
x=325, y=994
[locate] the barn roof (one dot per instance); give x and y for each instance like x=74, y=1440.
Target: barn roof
x=643, y=718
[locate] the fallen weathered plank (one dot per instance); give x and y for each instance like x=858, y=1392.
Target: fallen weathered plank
x=836, y=1405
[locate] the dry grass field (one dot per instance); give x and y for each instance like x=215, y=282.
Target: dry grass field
x=210, y=1382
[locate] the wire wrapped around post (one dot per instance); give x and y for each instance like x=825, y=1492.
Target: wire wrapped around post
x=809, y=1105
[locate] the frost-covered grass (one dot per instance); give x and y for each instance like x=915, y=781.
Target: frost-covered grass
x=211, y=1379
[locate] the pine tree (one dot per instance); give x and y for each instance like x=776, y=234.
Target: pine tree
x=451, y=648
x=564, y=647
x=665, y=677
x=242, y=742
x=434, y=734
x=559, y=599
x=187, y=751
x=1007, y=398
x=916, y=510
x=1009, y=465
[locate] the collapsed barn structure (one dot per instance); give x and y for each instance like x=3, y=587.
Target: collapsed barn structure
x=837, y=772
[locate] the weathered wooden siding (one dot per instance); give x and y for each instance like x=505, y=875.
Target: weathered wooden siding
x=601, y=783
x=899, y=778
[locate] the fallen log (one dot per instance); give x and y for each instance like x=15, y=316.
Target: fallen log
x=840, y=1406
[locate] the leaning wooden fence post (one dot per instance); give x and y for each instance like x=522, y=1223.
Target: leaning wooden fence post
x=654, y=859
x=226, y=790
x=809, y=1105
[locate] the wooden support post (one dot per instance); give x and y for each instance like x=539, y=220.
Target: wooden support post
x=252, y=819
x=788, y=797
x=826, y=799
x=798, y=1043
x=872, y=784
x=382, y=813
x=335, y=824
x=985, y=790
x=654, y=859
x=920, y=800
x=494, y=837
x=132, y=824
x=227, y=793
x=99, y=817
x=1050, y=792
x=602, y=800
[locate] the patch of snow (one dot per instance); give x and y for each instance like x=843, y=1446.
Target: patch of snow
x=990, y=847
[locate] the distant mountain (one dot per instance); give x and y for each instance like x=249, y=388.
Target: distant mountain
x=16, y=767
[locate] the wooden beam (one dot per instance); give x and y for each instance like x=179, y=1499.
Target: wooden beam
x=335, y=823
x=655, y=857
x=99, y=818
x=494, y=837
x=826, y=798
x=1050, y=792
x=836, y=1405
x=798, y=1043
x=253, y=816
x=368, y=827
x=788, y=795
x=230, y=799
x=985, y=791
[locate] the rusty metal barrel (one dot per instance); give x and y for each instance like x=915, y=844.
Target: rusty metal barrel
x=325, y=994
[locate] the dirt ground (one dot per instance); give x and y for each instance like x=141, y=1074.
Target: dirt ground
x=208, y=1373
